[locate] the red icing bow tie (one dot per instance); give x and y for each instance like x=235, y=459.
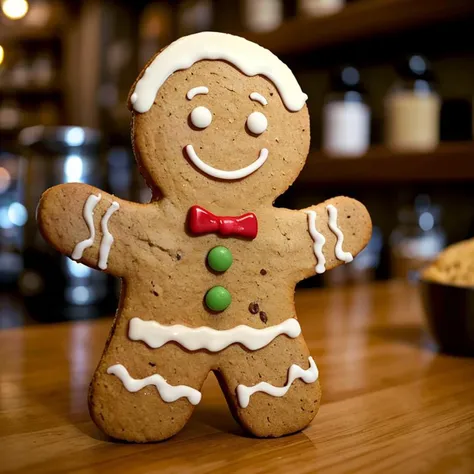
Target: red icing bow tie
x=204, y=222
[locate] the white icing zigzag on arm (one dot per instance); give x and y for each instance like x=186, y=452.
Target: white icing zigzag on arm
x=340, y=254
x=169, y=393
x=88, y=214
x=156, y=335
x=319, y=241
x=107, y=237
x=296, y=372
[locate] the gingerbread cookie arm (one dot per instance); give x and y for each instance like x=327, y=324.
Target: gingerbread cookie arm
x=327, y=235
x=87, y=224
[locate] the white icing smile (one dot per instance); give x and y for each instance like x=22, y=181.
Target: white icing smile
x=223, y=174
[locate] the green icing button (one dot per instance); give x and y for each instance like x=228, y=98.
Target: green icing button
x=218, y=298
x=220, y=258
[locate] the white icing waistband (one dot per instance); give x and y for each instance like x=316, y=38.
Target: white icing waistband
x=296, y=372
x=156, y=335
x=169, y=393
x=248, y=57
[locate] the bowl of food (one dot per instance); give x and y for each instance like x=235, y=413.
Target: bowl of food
x=447, y=290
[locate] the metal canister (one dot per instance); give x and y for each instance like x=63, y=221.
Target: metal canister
x=53, y=286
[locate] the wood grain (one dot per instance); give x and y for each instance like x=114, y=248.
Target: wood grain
x=390, y=402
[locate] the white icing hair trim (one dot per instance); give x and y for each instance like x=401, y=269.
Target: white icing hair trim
x=248, y=57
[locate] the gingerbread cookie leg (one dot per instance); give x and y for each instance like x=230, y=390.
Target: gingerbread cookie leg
x=275, y=392
x=144, y=394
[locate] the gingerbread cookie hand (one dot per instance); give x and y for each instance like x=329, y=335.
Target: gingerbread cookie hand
x=88, y=224
x=327, y=235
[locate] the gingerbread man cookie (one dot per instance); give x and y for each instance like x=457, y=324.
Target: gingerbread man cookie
x=209, y=266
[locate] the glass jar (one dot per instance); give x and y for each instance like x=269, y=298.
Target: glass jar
x=194, y=16
x=12, y=218
x=364, y=267
x=320, y=7
x=346, y=116
x=42, y=70
x=263, y=15
x=417, y=239
x=412, y=109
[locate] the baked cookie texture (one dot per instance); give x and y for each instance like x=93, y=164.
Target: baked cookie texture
x=453, y=266
x=248, y=126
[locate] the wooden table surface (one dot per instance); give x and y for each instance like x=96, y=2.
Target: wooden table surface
x=390, y=402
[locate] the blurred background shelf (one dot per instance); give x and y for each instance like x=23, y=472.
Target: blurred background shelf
x=449, y=162
x=9, y=133
x=20, y=33
x=375, y=71
x=360, y=20
x=30, y=91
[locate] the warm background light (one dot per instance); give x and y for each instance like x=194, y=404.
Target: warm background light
x=15, y=9
x=2, y=54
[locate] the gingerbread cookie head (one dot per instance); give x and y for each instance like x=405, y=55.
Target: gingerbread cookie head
x=217, y=113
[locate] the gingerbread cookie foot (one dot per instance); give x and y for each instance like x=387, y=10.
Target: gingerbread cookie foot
x=140, y=409
x=271, y=400
x=263, y=408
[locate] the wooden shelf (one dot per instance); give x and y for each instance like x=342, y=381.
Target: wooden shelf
x=9, y=139
x=22, y=33
x=363, y=19
x=450, y=162
x=29, y=91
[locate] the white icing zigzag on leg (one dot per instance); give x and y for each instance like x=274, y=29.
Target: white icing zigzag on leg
x=169, y=393
x=296, y=372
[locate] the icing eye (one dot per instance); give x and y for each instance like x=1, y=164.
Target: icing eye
x=257, y=123
x=201, y=117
